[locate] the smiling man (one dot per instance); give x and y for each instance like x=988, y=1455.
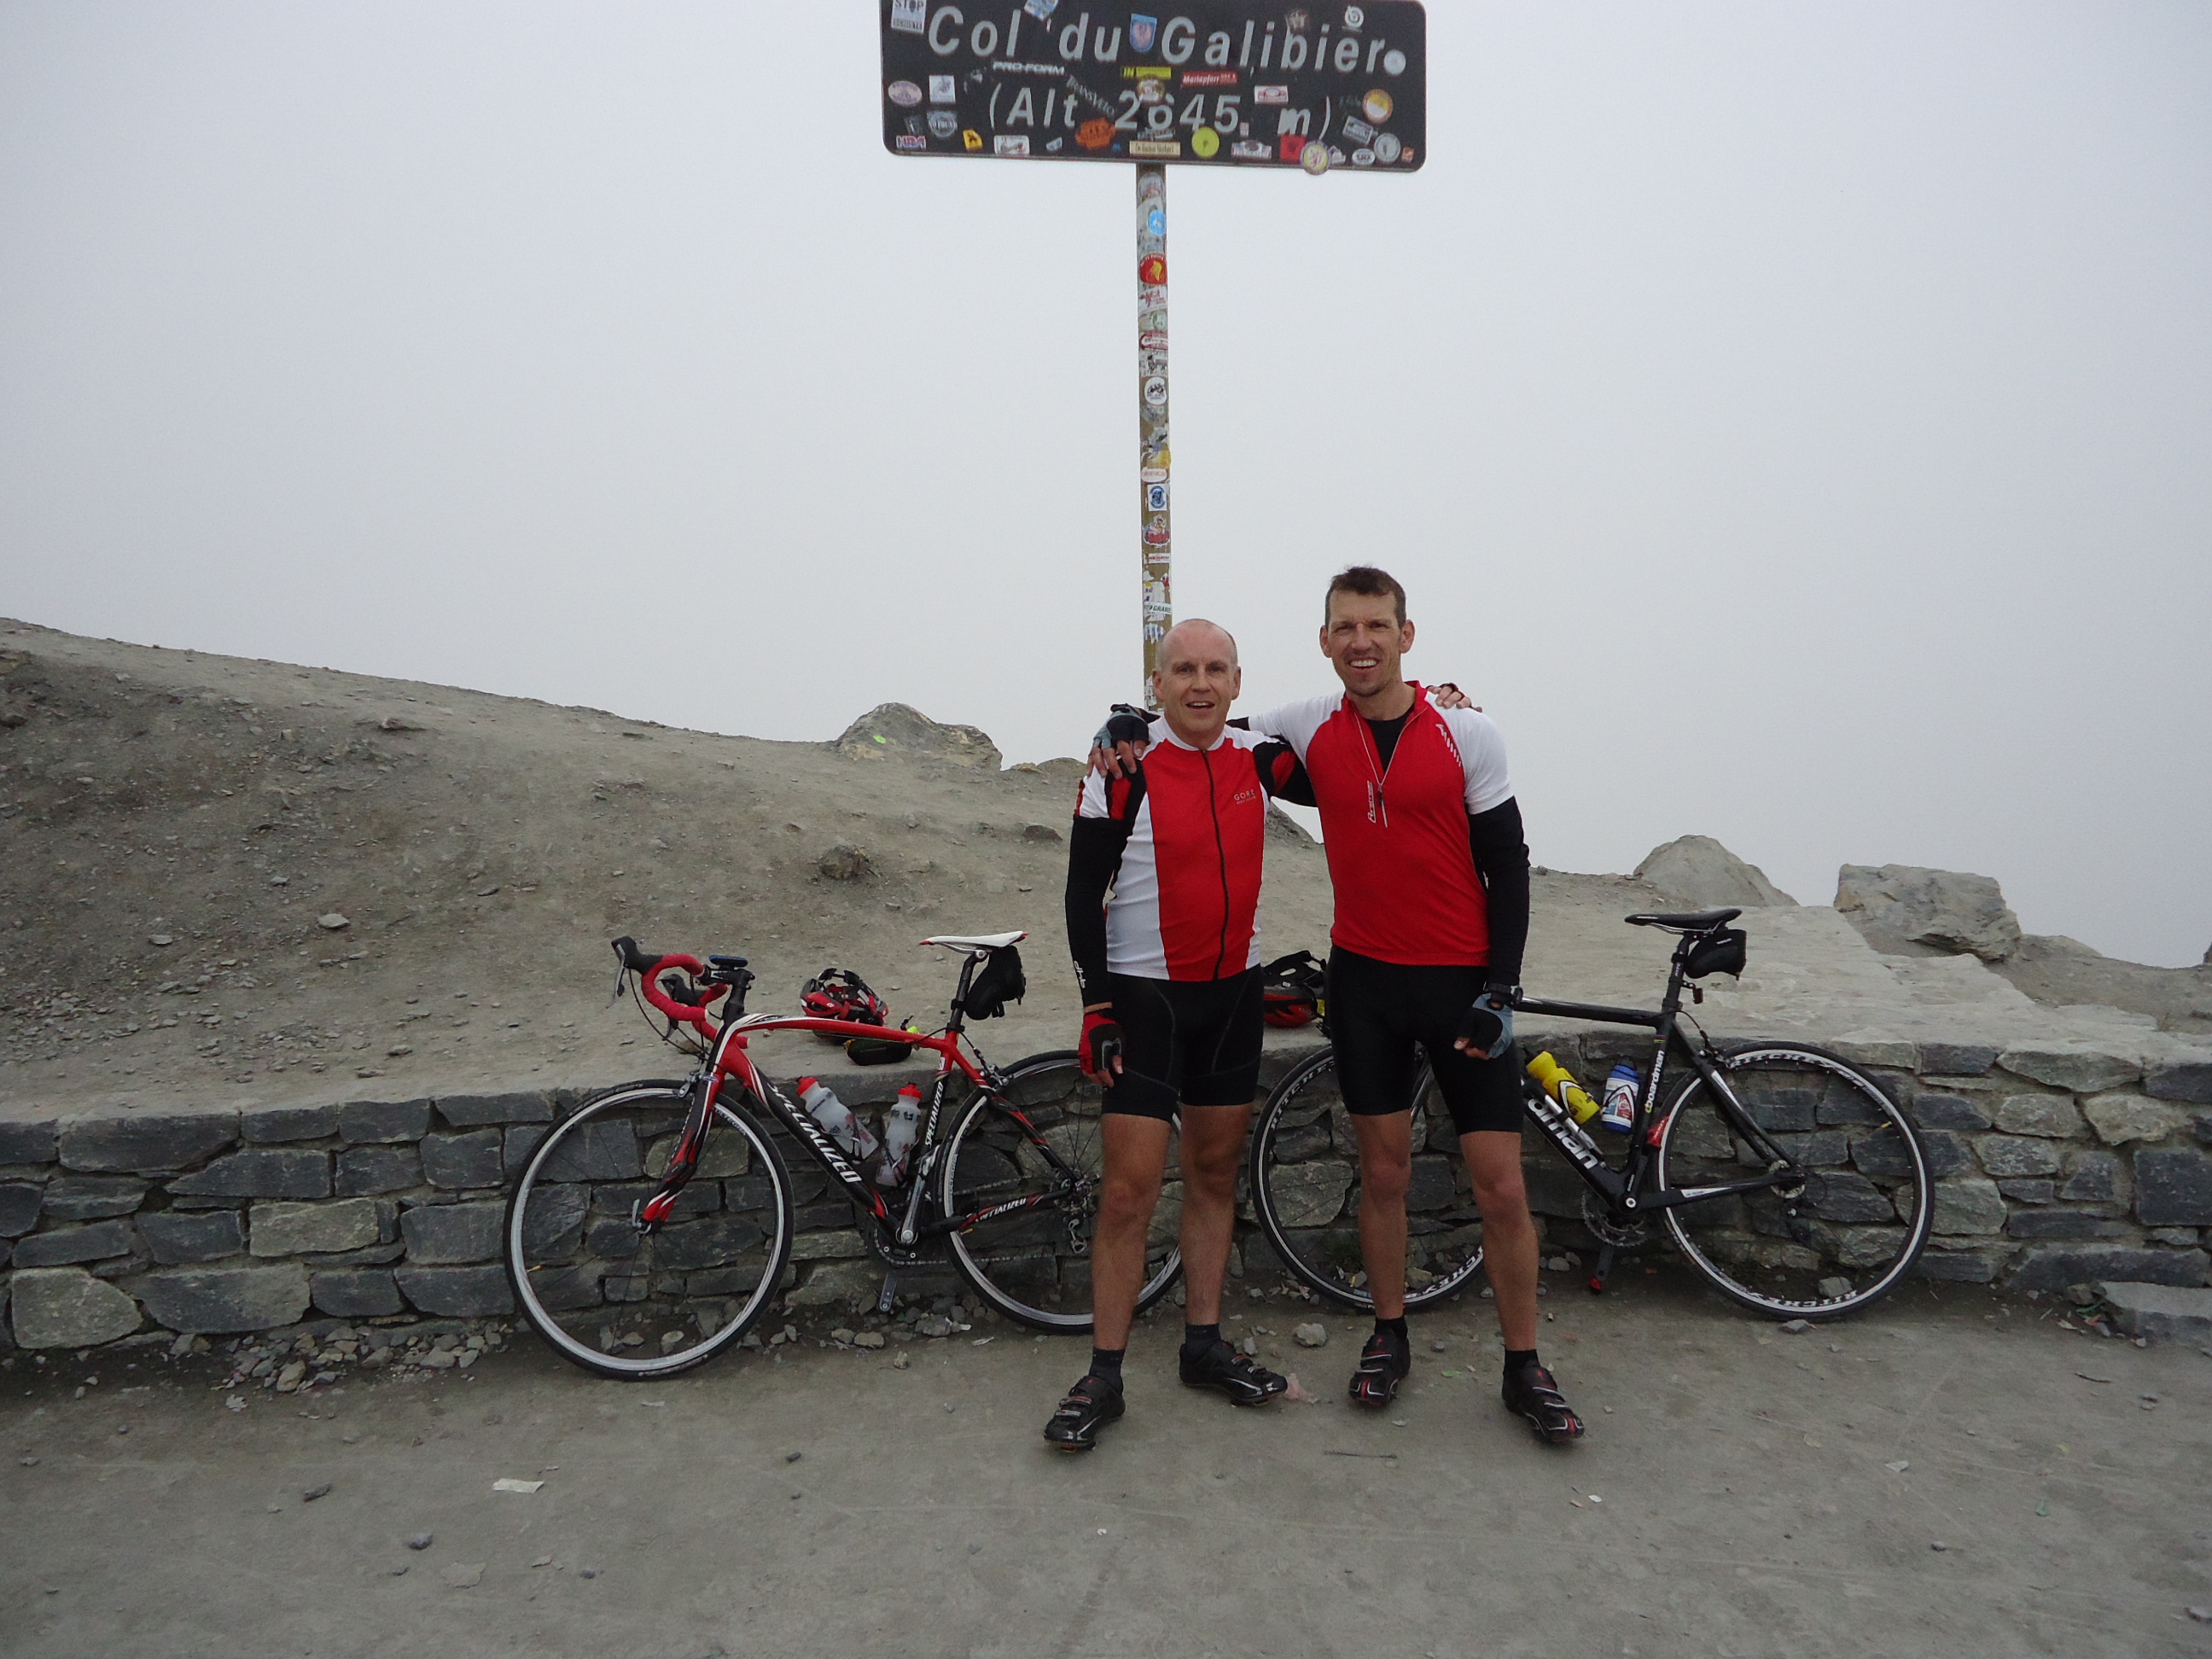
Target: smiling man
x=1426, y=853
x=1169, y=970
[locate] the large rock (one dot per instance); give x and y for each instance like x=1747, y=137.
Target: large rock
x=1899, y=907
x=67, y=1307
x=212, y=1301
x=892, y=731
x=1697, y=872
x=121, y=1144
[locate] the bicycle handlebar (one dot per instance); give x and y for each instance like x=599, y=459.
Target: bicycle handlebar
x=679, y=1004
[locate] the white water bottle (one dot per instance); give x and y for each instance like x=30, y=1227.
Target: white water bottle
x=1621, y=1091
x=900, y=1124
x=835, y=1118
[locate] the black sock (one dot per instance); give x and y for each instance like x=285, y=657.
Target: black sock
x=1516, y=1357
x=1198, y=1341
x=1106, y=1365
x=1395, y=1329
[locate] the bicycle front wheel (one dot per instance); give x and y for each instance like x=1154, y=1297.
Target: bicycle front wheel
x=639, y=1307
x=1304, y=1180
x=1033, y=1263
x=1839, y=1236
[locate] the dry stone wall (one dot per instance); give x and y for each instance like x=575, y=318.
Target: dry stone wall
x=2058, y=1165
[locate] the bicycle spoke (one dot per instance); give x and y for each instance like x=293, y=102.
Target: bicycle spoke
x=1849, y=1212
x=1034, y=1263
x=1306, y=1157
x=615, y=1300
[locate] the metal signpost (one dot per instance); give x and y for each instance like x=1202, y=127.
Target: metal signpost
x=1235, y=83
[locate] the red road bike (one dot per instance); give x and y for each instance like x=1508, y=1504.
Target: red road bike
x=660, y=1221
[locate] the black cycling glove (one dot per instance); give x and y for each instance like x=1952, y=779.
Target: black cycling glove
x=1487, y=1025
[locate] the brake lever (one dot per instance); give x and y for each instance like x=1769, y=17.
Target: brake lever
x=621, y=984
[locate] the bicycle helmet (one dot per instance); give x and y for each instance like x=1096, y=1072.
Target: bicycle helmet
x=841, y=994
x=1291, y=989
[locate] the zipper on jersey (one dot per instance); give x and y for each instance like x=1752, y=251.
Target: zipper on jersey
x=1378, y=805
x=1221, y=854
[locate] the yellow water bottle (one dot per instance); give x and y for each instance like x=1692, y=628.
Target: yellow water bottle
x=1559, y=1083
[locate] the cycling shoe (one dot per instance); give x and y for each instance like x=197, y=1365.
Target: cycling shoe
x=1383, y=1364
x=1089, y=1406
x=1227, y=1371
x=1532, y=1392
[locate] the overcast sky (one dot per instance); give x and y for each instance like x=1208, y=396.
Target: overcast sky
x=1793, y=421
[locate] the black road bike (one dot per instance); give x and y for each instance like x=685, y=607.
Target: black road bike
x=1783, y=1173
x=658, y=1222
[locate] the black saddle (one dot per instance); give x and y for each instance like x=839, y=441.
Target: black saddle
x=1685, y=921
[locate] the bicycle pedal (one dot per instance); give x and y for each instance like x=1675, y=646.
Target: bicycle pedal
x=889, y=1295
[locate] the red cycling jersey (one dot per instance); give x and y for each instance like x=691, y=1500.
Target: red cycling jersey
x=1181, y=844
x=1406, y=887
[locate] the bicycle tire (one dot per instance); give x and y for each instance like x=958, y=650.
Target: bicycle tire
x=594, y=1288
x=1854, y=1231
x=1305, y=1192
x=1020, y=1265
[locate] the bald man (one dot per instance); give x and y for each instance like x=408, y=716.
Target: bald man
x=1169, y=970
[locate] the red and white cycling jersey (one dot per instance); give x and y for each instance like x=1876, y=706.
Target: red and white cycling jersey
x=1186, y=891
x=1407, y=888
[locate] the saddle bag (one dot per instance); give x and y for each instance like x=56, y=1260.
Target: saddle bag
x=1721, y=951
x=998, y=981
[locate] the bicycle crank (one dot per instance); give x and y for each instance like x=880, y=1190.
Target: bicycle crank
x=1619, y=1235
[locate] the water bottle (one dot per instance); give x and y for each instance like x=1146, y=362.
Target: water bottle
x=1559, y=1083
x=1621, y=1091
x=900, y=1124
x=836, y=1118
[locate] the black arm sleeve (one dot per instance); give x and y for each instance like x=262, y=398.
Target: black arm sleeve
x=1094, y=853
x=1284, y=774
x=1501, y=859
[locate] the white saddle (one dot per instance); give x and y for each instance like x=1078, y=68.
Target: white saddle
x=976, y=941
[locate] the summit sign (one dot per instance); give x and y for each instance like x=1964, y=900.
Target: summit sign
x=1225, y=83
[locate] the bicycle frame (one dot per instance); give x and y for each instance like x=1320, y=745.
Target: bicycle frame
x=729, y=1057
x=1622, y=1190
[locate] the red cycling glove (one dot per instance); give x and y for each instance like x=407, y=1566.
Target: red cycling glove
x=1098, y=1051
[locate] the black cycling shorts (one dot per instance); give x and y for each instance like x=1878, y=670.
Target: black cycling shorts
x=1379, y=1012
x=1192, y=1040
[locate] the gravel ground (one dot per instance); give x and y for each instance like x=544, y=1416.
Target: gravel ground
x=1953, y=1472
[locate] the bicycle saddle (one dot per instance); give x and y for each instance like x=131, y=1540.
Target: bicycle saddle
x=976, y=941
x=1689, y=921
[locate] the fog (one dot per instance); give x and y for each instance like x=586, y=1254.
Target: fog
x=1794, y=423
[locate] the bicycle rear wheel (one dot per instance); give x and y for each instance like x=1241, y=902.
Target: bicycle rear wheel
x=1034, y=1263
x=1841, y=1239
x=1304, y=1180
x=633, y=1307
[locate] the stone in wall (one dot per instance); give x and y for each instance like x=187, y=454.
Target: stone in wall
x=267, y=1123
x=212, y=1301
x=28, y=1140
x=386, y=1122
x=457, y=1292
x=2083, y=1068
x=179, y=1237
x=2054, y=1267
x=67, y=1307
x=438, y=1234
x=261, y=1173
x=20, y=1203
x=2125, y=1115
x=362, y=1293
x=2189, y=1081
x=97, y=1241
x=2053, y=1116
x=125, y=1145
x=345, y=1223
x=2174, y=1188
